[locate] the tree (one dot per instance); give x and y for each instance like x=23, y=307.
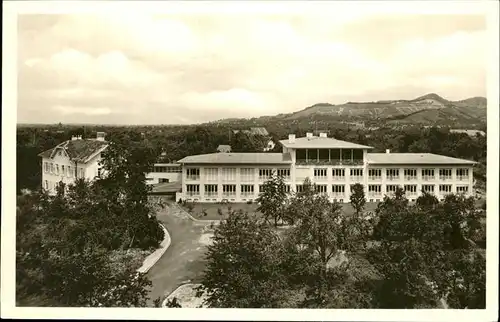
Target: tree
x=358, y=200
x=272, y=199
x=243, y=265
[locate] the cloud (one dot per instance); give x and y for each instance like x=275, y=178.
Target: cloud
x=193, y=68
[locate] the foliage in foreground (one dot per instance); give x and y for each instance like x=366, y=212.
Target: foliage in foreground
x=417, y=257
x=65, y=242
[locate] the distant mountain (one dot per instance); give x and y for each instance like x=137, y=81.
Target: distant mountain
x=397, y=109
x=427, y=109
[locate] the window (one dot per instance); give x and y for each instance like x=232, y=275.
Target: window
x=63, y=172
x=46, y=167
x=312, y=154
x=193, y=189
x=375, y=189
x=229, y=174
x=410, y=174
x=429, y=188
x=410, y=189
x=211, y=190
x=287, y=188
x=374, y=174
x=70, y=171
x=462, y=189
x=99, y=173
x=356, y=173
x=338, y=174
x=162, y=180
x=247, y=189
x=229, y=190
x=320, y=173
x=299, y=188
x=52, y=168
x=321, y=188
x=445, y=188
x=57, y=168
x=159, y=169
x=392, y=174
x=338, y=189
x=46, y=185
x=174, y=169
x=462, y=174
x=427, y=174
x=193, y=173
x=285, y=173
x=391, y=188
x=247, y=174
x=211, y=174
x=324, y=154
x=444, y=174
x=81, y=172
x=261, y=188
x=265, y=174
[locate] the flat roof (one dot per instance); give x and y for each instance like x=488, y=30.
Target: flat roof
x=414, y=158
x=239, y=158
x=316, y=142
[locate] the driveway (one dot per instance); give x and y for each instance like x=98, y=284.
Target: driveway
x=183, y=261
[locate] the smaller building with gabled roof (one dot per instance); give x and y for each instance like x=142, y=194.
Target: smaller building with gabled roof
x=72, y=159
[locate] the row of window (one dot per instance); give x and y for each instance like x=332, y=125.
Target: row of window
x=412, y=189
x=51, y=185
x=165, y=169
x=248, y=174
x=376, y=189
x=62, y=170
x=229, y=174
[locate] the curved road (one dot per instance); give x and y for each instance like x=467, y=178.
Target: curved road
x=183, y=261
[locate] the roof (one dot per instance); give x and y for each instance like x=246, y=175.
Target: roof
x=254, y=131
x=468, y=132
x=316, y=142
x=239, y=158
x=167, y=164
x=77, y=150
x=414, y=158
x=223, y=147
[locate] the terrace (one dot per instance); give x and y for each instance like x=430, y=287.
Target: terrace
x=329, y=157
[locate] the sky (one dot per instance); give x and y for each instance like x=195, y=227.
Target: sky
x=180, y=68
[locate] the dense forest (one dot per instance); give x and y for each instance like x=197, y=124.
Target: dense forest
x=171, y=143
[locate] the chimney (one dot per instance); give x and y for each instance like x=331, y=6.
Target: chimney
x=309, y=135
x=322, y=135
x=291, y=138
x=73, y=138
x=100, y=136
x=387, y=151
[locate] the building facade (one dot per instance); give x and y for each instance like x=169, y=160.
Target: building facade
x=332, y=165
x=164, y=173
x=70, y=160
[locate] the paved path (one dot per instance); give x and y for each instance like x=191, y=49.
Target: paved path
x=184, y=259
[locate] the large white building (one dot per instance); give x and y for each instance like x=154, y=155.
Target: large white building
x=331, y=164
x=72, y=159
